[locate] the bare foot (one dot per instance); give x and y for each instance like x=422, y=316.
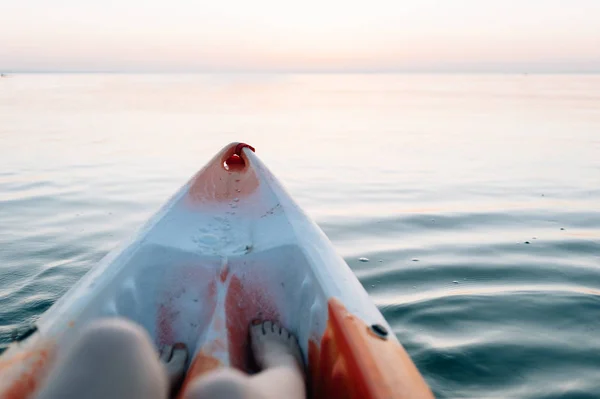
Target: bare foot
x=274, y=346
x=174, y=359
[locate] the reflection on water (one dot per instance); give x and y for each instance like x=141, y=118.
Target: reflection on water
x=475, y=197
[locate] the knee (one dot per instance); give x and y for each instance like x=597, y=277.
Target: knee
x=117, y=334
x=118, y=344
x=109, y=355
x=224, y=383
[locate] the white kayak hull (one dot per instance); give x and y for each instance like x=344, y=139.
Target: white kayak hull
x=229, y=247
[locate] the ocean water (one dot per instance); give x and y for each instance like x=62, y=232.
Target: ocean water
x=476, y=199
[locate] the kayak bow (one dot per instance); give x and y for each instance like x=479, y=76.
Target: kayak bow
x=229, y=247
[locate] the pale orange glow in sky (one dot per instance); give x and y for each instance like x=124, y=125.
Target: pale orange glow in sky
x=312, y=35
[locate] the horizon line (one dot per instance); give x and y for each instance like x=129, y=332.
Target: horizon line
x=303, y=71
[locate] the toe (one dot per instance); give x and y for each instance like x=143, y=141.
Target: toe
x=268, y=327
x=175, y=367
x=166, y=353
x=283, y=332
x=256, y=330
x=180, y=354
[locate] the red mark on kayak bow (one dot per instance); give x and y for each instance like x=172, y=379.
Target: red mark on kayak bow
x=224, y=273
x=187, y=283
x=202, y=364
x=240, y=146
x=227, y=176
x=165, y=320
x=25, y=384
x=243, y=304
x=236, y=161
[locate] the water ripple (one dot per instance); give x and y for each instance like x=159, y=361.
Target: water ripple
x=474, y=197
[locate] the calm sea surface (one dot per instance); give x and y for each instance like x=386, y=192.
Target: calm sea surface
x=475, y=197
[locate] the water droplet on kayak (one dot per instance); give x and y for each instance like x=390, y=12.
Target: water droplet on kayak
x=234, y=205
x=455, y=282
x=380, y=261
x=363, y=259
x=526, y=242
x=236, y=199
x=415, y=260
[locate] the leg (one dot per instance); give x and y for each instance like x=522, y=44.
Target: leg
x=110, y=359
x=277, y=353
x=174, y=358
x=223, y=383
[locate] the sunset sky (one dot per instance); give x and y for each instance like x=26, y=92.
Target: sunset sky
x=307, y=35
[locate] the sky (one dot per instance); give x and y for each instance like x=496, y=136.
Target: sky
x=300, y=36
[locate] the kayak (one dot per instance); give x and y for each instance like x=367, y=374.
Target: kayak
x=229, y=247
